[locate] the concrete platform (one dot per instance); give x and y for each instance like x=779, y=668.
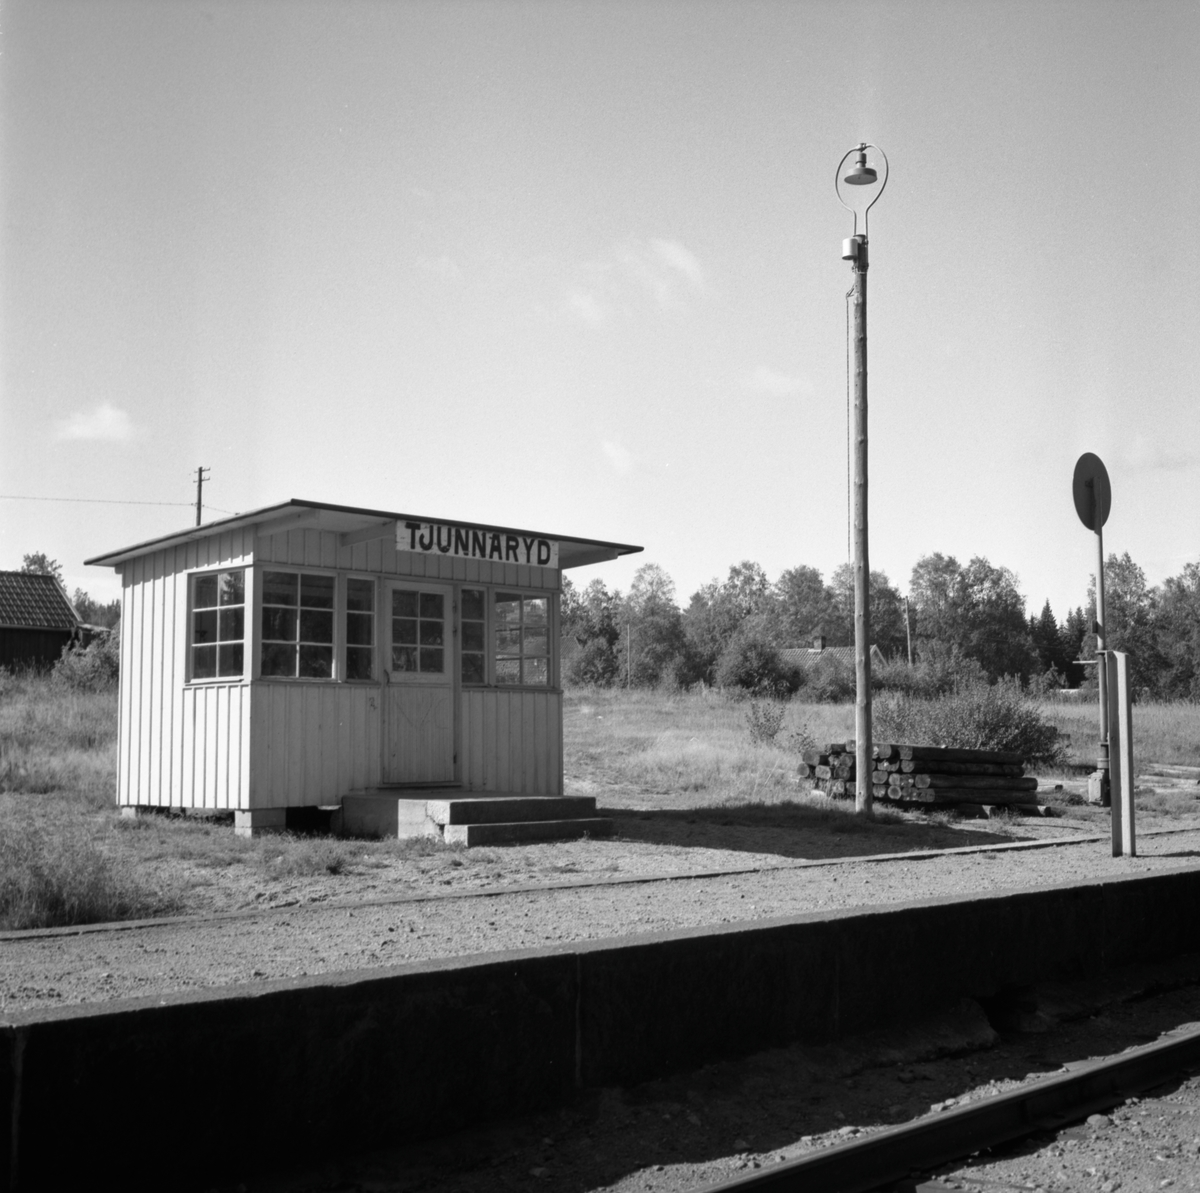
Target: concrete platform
x=471, y=817
x=406, y=1052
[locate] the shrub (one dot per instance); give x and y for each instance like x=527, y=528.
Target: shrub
x=828, y=681
x=95, y=668
x=939, y=670
x=754, y=665
x=975, y=717
x=595, y=664
x=765, y=719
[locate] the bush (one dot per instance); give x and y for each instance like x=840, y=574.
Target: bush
x=765, y=719
x=828, y=681
x=938, y=671
x=976, y=717
x=594, y=665
x=96, y=668
x=754, y=665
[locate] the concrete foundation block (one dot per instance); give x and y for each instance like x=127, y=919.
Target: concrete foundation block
x=259, y=820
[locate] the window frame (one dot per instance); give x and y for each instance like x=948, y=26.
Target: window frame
x=246, y=605
x=550, y=596
x=341, y=625
x=335, y=668
x=449, y=591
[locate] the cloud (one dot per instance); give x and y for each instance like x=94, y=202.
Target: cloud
x=440, y=267
x=1153, y=455
x=105, y=423
x=774, y=384
x=671, y=253
x=586, y=307
x=618, y=456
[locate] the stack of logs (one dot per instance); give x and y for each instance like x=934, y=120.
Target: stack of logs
x=924, y=774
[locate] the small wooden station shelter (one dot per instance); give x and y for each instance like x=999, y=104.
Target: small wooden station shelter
x=399, y=669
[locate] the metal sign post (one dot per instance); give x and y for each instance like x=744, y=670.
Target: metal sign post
x=1120, y=752
x=1093, y=501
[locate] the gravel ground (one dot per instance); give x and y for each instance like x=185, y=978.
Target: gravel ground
x=55, y=968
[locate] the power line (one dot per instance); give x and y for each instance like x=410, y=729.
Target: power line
x=110, y=501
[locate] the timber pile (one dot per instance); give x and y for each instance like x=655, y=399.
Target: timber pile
x=923, y=774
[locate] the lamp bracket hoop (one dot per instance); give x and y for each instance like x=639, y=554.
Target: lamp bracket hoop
x=861, y=148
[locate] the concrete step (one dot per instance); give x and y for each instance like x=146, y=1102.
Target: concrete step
x=528, y=830
x=509, y=809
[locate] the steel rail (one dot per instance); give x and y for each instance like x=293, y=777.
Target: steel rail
x=918, y=1147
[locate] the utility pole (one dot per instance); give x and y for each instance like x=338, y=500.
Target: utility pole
x=854, y=250
x=200, y=492
x=908, y=631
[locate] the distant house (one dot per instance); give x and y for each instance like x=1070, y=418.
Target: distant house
x=37, y=620
x=818, y=652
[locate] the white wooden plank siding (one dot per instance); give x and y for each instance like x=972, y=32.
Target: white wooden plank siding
x=177, y=745
x=512, y=741
x=312, y=743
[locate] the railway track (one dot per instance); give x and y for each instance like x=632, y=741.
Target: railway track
x=895, y=1159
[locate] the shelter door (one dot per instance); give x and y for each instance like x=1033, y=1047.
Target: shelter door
x=418, y=731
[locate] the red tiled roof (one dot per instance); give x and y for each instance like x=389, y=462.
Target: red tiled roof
x=29, y=602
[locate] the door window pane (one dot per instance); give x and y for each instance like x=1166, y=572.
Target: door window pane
x=418, y=631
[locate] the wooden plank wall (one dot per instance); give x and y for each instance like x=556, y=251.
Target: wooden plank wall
x=321, y=548
x=177, y=745
x=313, y=743
x=512, y=741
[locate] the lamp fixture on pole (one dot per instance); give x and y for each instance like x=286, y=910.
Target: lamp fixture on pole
x=854, y=250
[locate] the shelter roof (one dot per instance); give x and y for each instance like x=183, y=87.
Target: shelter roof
x=356, y=525
x=32, y=602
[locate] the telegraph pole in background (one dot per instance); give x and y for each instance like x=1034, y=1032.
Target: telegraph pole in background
x=200, y=492
x=854, y=250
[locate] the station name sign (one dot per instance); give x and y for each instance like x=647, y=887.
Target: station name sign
x=475, y=542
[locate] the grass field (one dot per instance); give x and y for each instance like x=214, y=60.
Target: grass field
x=65, y=856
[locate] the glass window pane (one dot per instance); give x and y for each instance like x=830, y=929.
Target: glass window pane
x=404, y=603
x=431, y=633
x=316, y=626
x=508, y=608
x=316, y=592
x=204, y=594
x=472, y=668
x=316, y=662
x=360, y=596
x=537, y=671
x=432, y=604
x=535, y=611
x=360, y=663
x=404, y=631
x=508, y=670
x=508, y=641
x=404, y=658
x=432, y=661
x=204, y=662
x=233, y=588
x=229, y=659
x=278, y=625
x=280, y=588
x=231, y=624
x=278, y=659
x=204, y=626
x=472, y=636
x=472, y=604
x=360, y=629
x=537, y=641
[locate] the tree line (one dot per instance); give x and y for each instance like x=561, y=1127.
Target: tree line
x=970, y=617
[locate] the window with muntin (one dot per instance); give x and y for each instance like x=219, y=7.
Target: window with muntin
x=522, y=639
x=297, y=625
x=218, y=625
x=360, y=628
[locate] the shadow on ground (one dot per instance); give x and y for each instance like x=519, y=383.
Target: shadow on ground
x=796, y=830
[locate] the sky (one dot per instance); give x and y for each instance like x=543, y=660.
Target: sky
x=576, y=268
